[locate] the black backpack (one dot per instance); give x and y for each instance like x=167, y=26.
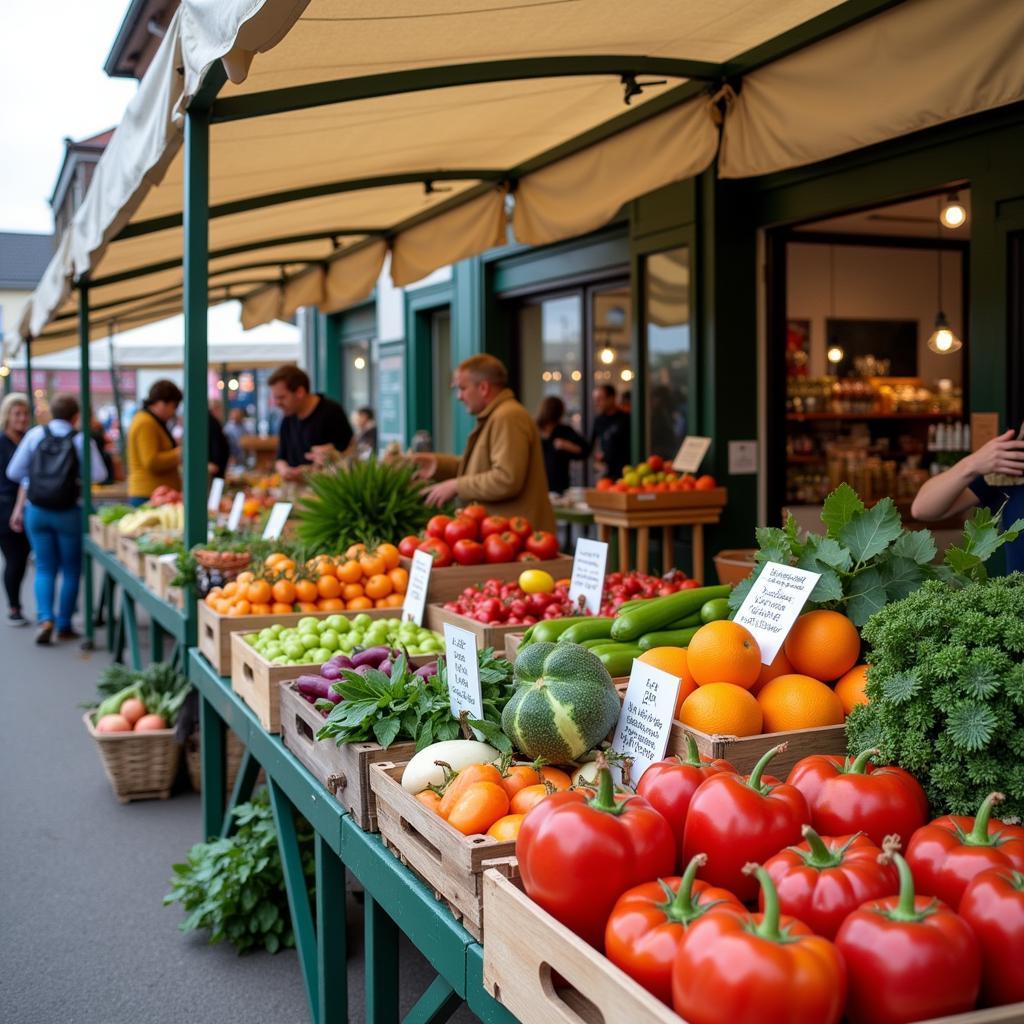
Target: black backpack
x=53, y=476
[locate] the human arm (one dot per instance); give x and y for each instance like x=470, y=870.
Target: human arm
x=949, y=493
x=17, y=520
x=568, y=440
x=286, y=472
x=150, y=454
x=17, y=468
x=510, y=441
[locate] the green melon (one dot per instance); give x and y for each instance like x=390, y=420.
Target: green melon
x=565, y=702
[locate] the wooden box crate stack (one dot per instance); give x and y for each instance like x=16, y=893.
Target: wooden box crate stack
x=447, y=582
x=152, y=575
x=99, y=533
x=452, y=864
x=174, y=596
x=129, y=556
x=486, y=636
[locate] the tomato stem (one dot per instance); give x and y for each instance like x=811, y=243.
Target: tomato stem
x=683, y=907
x=861, y=761
x=754, y=780
x=768, y=927
x=692, y=753
x=821, y=856
x=978, y=836
x=605, y=799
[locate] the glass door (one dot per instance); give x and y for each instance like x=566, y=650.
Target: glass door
x=444, y=398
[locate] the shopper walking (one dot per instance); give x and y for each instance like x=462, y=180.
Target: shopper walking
x=46, y=466
x=14, y=418
x=560, y=442
x=153, y=455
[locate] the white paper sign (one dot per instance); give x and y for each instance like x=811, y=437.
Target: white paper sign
x=588, y=567
x=691, y=454
x=742, y=458
x=216, y=490
x=235, y=516
x=416, y=592
x=464, y=691
x=646, y=717
x=773, y=604
x=275, y=521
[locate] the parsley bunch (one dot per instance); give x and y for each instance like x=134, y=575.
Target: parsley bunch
x=946, y=692
x=867, y=559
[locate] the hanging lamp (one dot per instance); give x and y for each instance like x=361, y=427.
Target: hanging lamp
x=943, y=341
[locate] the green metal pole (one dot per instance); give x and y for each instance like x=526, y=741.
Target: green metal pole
x=28, y=380
x=224, y=391
x=330, y=337
x=115, y=389
x=85, y=401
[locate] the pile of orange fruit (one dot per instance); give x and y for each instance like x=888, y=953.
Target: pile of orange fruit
x=354, y=582
x=815, y=679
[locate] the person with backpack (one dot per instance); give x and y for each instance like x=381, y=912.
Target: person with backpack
x=46, y=466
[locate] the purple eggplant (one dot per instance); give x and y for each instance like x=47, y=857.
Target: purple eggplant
x=313, y=686
x=372, y=656
x=340, y=661
x=386, y=666
x=361, y=670
x=426, y=671
x=330, y=672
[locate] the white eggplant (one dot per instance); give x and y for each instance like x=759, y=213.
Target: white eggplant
x=422, y=771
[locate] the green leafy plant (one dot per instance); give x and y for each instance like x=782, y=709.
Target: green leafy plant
x=867, y=559
x=946, y=692
x=235, y=886
x=413, y=708
x=364, y=502
x=112, y=513
x=159, y=546
x=160, y=686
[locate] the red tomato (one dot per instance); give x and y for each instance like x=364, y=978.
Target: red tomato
x=578, y=853
x=704, y=483
x=438, y=550
x=527, y=556
x=993, y=905
x=947, y=853
x=669, y=786
x=648, y=922
x=477, y=512
x=459, y=528
x=656, y=463
x=468, y=552
x=908, y=958
x=543, y=544
x=513, y=539
x=855, y=796
x=520, y=525
x=436, y=526
x=824, y=880
x=408, y=545
x=687, y=483
x=736, y=819
x=497, y=550
x=492, y=524
x=689, y=585
x=755, y=968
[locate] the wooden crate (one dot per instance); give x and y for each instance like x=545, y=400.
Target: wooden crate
x=174, y=596
x=449, y=581
x=256, y=681
x=527, y=949
x=618, y=501
x=344, y=770
x=98, y=532
x=513, y=641
x=486, y=636
x=152, y=575
x=452, y=864
x=129, y=556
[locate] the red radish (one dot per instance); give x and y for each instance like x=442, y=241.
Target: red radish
x=150, y=723
x=113, y=723
x=133, y=709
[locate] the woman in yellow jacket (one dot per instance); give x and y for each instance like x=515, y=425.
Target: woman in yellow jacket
x=153, y=455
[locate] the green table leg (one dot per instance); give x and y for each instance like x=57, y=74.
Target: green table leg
x=131, y=628
x=435, y=1006
x=298, y=894
x=110, y=613
x=331, y=935
x=245, y=781
x=381, y=971
x=156, y=642
x=211, y=756
x=87, y=602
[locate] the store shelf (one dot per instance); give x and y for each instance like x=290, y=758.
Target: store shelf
x=928, y=417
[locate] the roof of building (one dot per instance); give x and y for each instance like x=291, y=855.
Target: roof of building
x=133, y=46
x=23, y=258
x=90, y=149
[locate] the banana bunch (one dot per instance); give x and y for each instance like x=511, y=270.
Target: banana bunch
x=167, y=517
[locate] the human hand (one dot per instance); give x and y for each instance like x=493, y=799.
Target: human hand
x=426, y=465
x=292, y=473
x=321, y=454
x=560, y=444
x=17, y=521
x=1003, y=454
x=442, y=493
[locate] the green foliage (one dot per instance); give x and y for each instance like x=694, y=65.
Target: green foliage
x=235, y=887
x=411, y=708
x=866, y=559
x=946, y=691
x=161, y=687
x=364, y=502
x=112, y=513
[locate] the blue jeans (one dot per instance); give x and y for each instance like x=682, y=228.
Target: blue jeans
x=56, y=539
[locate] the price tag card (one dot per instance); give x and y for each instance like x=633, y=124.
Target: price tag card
x=416, y=592
x=275, y=521
x=216, y=490
x=646, y=718
x=464, y=691
x=691, y=454
x=588, y=566
x=235, y=516
x=773, y=604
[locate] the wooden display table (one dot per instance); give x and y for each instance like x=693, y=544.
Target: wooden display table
x=665, y=511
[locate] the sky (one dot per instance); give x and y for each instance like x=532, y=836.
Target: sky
x=52, y=84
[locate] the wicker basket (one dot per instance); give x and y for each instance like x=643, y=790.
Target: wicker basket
x=225, y=561
x=193, y=761
x=140, y=765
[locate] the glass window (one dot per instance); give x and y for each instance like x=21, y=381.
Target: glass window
x=610, y=357
x=356, y=375
x=444, y=396
x=667, y=320
x=551, y=355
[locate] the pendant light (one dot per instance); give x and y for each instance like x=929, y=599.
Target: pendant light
x=943, y=341
x=953, y=213
x=834, y=353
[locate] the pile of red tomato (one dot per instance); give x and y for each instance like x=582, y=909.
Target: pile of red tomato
x=472, y=537
x=655, y=476
x=846, y=926
x=497, y=602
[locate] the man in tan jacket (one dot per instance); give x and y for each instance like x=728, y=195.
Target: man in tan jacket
x=503, y=464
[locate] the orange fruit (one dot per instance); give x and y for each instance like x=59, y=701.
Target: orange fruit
x=780, y=666
x=241, y=607
x=211, y=598
x=722, y=709
x=395, y=600
x=673, y=661
x=399, y=579
x=798, y=702
x=245, y=578
x=358, y=604
x=230, y=589
x=350, y=571
x=372, y=565
x=851, y=689
x=273, y=558
x=390, y=554
x=258, y=592
x=378, y=586
x=280, y=608
x=381, y=602
x=352, y=590
x=823, y=645
x=307, y=606
x=283, y=592
x=331, y=604
x=305, y=591
x=724, y=652
x=355, y=550
x=223, y=606
x=262, y=609
x=328, y=586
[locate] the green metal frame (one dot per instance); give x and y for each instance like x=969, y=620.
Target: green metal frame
x=420, y=304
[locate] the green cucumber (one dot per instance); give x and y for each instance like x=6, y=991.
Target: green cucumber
x=601, y=641
x=715, y=610
x=660, y=612
x=594, y=628
x=668, y=638
x=548, y=631
x=617, y=658
x=690, y=620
